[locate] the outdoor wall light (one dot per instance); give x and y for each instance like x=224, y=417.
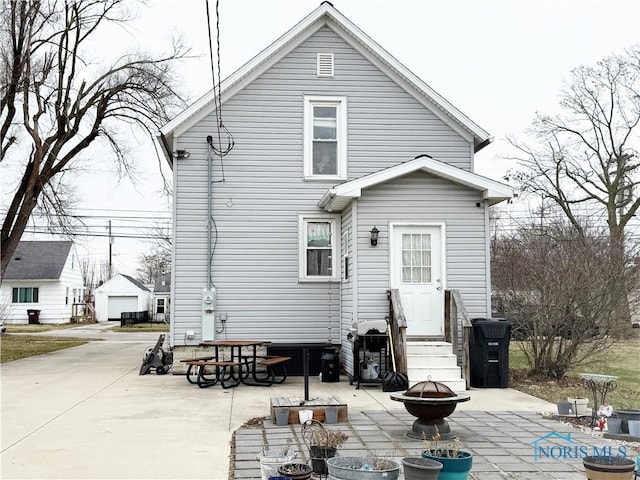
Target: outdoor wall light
x=374, y=236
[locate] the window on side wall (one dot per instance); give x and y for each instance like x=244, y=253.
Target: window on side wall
x=25, y=295
x=319, y=249
x=325, y=138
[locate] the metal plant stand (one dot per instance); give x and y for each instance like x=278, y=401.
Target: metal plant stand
x=600, y=386
x=316, y=438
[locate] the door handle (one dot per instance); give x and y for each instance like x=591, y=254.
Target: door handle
x=438, y=288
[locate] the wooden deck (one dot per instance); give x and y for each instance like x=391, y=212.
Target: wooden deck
x=295, y=404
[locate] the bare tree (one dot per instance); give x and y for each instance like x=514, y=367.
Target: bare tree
x=55, y=106
x=587, y=156
x=559, y=287
x=94, y=275
x=152, y=265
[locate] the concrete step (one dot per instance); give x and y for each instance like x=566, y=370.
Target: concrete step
x=433, y=361
x=428, y=348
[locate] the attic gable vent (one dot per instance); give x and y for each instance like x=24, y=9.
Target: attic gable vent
x=325, y=65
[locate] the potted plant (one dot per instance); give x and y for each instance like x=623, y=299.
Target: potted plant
x=419, y=468
x=323, y=443
x=564, y=408
x=456, y=463
x=295, y=471
x=626, y=414
x=363, y=468
x=578, y=405
x=608, y=467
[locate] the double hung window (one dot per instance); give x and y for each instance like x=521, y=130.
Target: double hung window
x=319, y=248
x=325, y=149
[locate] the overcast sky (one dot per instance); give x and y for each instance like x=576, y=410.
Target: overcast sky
x=497, y=61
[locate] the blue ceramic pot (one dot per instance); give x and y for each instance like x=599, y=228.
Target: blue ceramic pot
x=452, y=468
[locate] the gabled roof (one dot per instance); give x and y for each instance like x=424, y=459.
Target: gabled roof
x=34, y=260
x=136, y=282
x=338, y=197
x=324, y=15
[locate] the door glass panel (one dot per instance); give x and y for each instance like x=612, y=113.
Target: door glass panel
x=416, y=258
x=406, y=274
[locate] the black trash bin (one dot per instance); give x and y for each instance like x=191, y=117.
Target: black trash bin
x=34, y=316
x=489, y=352
x=330, y=365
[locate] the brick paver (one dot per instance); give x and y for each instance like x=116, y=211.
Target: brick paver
x=505, y=445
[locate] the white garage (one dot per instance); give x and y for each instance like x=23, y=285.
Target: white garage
x=121, y=294
x=118, y=304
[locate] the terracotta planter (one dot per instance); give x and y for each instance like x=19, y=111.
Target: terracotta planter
x=608, y=468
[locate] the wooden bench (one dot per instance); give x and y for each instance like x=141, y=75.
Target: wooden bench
x=270, y=378
x=223, y=372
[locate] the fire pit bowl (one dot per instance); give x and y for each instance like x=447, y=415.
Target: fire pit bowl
x=430, y=402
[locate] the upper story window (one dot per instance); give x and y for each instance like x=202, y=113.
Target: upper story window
x=25, y=295
x=319, y=248
x=325, y=138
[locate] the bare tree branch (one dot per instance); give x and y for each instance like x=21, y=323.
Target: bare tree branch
x=67, y=105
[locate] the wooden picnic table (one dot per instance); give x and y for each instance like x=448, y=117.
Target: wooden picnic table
x=239, y=366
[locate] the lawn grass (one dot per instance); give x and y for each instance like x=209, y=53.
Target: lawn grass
x=620, y=360
x=15, y=347
x=144, y=327
x=39, y=327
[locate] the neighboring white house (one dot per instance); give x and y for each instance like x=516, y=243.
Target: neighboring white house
x=121, y=294
x=162, y=298
x=42, y=276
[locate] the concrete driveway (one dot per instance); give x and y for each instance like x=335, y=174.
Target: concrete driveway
x=85, y=413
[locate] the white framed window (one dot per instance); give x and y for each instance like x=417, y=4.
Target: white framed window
x=25, y=295
x=325, y=138
x=319, y=248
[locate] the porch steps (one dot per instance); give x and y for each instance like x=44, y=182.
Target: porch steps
x=434, y=360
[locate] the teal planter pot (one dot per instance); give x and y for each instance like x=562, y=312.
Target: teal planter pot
x=453, y=468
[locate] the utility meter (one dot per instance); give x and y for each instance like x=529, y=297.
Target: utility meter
x=208, y=313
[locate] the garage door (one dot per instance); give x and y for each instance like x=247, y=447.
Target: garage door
x=117, y=305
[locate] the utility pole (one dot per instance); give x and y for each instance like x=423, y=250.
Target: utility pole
x=110, y=244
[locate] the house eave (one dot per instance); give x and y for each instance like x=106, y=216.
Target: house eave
x=338, y=197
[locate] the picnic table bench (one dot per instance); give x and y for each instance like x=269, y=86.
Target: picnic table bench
x=209, y=370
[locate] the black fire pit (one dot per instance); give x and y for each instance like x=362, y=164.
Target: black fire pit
x=431, y=402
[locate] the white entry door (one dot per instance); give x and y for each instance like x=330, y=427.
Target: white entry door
x=416, y=271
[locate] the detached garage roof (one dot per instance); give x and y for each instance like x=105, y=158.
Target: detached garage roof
x=38, y=260
x=120, y=283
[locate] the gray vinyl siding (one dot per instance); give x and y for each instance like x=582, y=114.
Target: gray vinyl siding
x=257, y=202
x=347, y=310
x=422, y=198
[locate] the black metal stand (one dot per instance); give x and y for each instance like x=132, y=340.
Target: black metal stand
x=370, y=343
x=600, y=386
